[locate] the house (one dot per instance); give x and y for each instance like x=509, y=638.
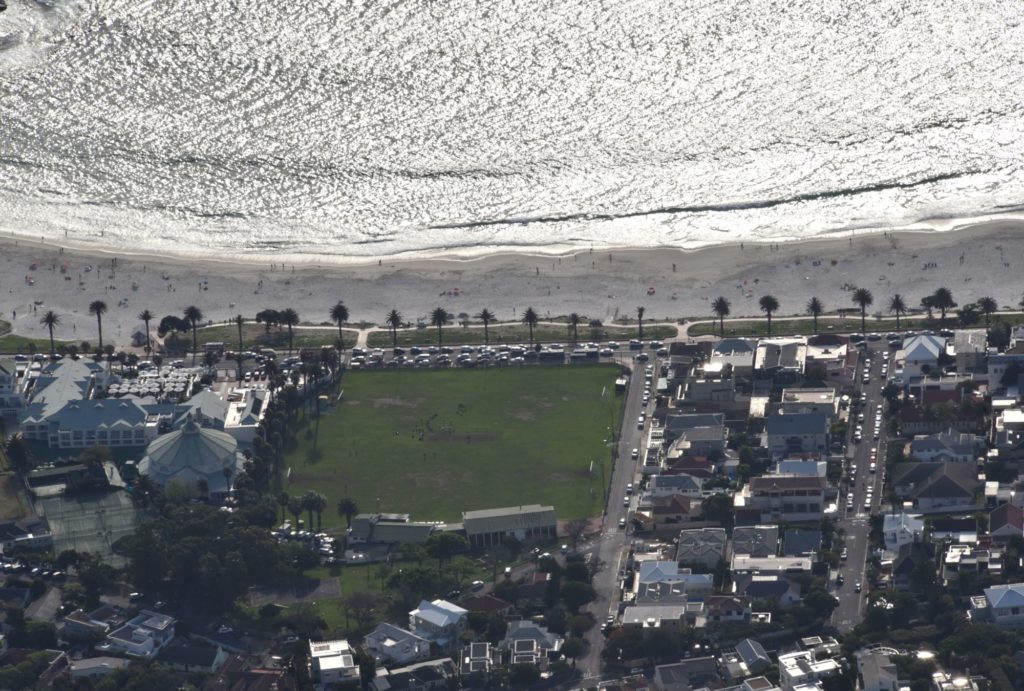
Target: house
x=332, y=662
x=207, y=408
x=954, y=529
x=193, y=659
x=439, y=621
x=1004, y=522
x=246, y=409
x=767, y=587
x=735, y=355
x=968, y=559
x=947, y=446
x=756, y=540
x=237, y=674
x=901, y=529
x=802, y=667
x=388, y=529
x=419, y=676
x=703, y=441
x=1003, y=605
x=910, y=558
x=95, y=667
x=744, y=563
x=696, y=585
x=876, y=672
x=390, y=643
x=680, y=483
x=663, y=615
x=654, y=513
x=833, y=355
x=10, y=397
x=702, y=548
x=970, y=346
x=801, y=542
x=142, y=636
x=753, y=656
x=489, y=527
x=732, y=608
x=772, y=498
x=936, y=485
x=721, y=391
x=819, y=400
x=488, y=604
x=797, y=434
x=799, y=466
x=784, y=359
x=919, y=355
x=530, y=643
x=476, y=658
x=677, y=424
x=695, y=673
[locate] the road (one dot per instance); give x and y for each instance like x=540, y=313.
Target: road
x=611, y=545
x=856, y=522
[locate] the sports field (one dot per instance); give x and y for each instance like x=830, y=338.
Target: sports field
x=436, y=443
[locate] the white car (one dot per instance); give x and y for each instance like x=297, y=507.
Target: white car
x=635, y=454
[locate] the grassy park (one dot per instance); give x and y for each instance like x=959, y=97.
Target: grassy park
x=436, y=443
x=514, y=333
x=257, y=335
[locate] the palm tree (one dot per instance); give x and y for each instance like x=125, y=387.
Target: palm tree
x=942, y=299
x=193, y=315
x=50, y=320
x=239, y=321
x=863, y=298
x=348, y=508
x=987, y=306
x=640, y=322
x=394, y=320
x=146, y=316
x=815, y=308
x=486, y=316
x=574, y=323
x=290, y=318
x=531, y=319
x=721, y=308
x=339, y=315
x=439, y=317
x=897, y=306
x=768, y=305
x=318, y=502
x=98, y=308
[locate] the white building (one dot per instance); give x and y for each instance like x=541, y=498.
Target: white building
x=919, y=356
x=332, y=662
x=902, y=529
x=822, y=400
x=143, y=636
x=1003, y=605
x=389, y=643
x=797, y=669
x=439, y=621
x=876, y=672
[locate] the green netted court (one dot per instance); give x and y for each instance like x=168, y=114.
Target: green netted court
x=89, y=522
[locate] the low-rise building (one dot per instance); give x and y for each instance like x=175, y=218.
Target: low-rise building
x=1002, y=605
x=756, y=540
x=193, y=659
x=936, y=485
x=947, y=446
x=727, y=608
x=970, y=347
x=10, y=396
x=799, y=668
x=744, y=563
x=488, y=527
x=694, y=673
x=768, y=587
x=391, y=644
x=702, y=548
x=332, y=662
x=799, y=433
x=388, y=529
x=439, y=621
x=876, y=672
x=530, y=643
x=967, y=559
x=919, y=356
x=819, y=400
x=801, y=542
x=95, y=667
x=901, y=529
x=1004, y=522
x=142, y=636
x=420, y=676
x=773, y=498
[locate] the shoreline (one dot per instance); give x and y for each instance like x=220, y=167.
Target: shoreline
x=671, y=283
x=926, y=226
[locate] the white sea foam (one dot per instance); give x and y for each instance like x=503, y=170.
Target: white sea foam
x=367, y=128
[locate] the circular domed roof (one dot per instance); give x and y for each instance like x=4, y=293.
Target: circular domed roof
x=193, y=448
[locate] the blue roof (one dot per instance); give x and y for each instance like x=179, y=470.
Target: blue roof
x=798, y=423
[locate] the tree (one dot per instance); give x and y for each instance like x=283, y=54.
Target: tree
x=394, y=320
x=146, y=316
x=718, y=507
x=240, y=322
x=362, y=605
x=897, y=306
x=942, y=300
x=443, y=546
x=290, y=318
x=295, y=508
x=575, y=528
x=439, y=317
x=815, y=309
x=821, y=603
x=268, y=318
x=575, y=594
x=193, y=315
x=531, y=320
x=574, y=323
x=769, y=305
x=574, y=648
x=987, y=306
x=348, y=508
x=486, y=316
x=721, y=309
x=863, y=298
x=50, y=320
x=315, y=503
x=339, y=315
x=640, y=322
x=18, y=452
x=98, y=308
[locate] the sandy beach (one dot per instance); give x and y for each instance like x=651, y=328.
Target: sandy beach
x=978, y=260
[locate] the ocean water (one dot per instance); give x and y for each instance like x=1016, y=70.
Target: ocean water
x=368, y=129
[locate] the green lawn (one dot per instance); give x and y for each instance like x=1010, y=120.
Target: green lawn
x=11, y=343
x=436, y=443
x=516, y=333
x=805, y=326
x=257, y=335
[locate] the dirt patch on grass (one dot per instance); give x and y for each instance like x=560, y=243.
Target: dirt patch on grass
x=524, y=415
x=463, y=437
x=394, y=401
x=306, y=590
